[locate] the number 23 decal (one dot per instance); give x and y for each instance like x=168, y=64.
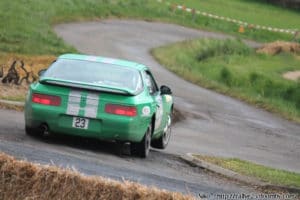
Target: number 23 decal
x=79, y=122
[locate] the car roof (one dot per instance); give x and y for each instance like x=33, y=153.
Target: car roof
x=99, y=59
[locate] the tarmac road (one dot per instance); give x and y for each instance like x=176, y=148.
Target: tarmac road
x=214, y=124
x=90, y=157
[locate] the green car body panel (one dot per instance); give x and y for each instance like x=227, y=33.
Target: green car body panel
x=81, y=100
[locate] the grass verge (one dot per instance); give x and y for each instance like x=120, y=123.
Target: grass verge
x=27, y=28
x=24, y=180
x=266, y=174
x=232, y=68
x=243, y=10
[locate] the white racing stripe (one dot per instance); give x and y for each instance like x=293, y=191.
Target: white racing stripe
x=74, y=103
x=92, y=103
x=91, y=107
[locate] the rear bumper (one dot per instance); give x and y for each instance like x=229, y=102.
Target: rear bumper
x=107, y=127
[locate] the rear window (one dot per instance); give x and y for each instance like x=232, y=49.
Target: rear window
x=102, y=74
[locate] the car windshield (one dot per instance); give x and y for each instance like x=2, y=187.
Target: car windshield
x=96, y=73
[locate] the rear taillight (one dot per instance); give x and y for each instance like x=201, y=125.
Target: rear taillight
x=121, y=110
x=46, y=99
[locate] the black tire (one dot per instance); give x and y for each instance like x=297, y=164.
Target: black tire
x=142, y=148
x=31, y=131
x=34, y=131
x=162, y=142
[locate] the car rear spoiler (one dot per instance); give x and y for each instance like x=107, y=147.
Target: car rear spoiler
x=87, y=86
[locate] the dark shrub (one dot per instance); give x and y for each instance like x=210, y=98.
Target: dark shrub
x=226, y=76
x=223, y=48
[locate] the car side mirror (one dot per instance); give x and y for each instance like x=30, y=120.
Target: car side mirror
x=165, y=90
x=41, y=72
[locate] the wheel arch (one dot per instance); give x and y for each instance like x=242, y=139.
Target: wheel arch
x=153, y=123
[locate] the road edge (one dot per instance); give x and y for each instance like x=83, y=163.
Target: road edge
x=192, y=160
x=14, y=103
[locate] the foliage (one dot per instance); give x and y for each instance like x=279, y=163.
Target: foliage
x=295, y=4
x=228, y=47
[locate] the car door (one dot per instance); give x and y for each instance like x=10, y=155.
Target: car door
x=157, y=102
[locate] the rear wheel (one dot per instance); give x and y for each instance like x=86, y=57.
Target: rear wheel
x=142, y=148
x=162, y=142
x=40, y=131
x=32, y=131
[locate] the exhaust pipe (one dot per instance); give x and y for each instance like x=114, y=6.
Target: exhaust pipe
x=44, y=129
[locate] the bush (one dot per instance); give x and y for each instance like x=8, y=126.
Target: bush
x=223, y=48
x=226, y=76
x=292, y=94
x=295, y=4
x=267, y=87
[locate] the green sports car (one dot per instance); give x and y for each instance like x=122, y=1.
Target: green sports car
x=102, y=98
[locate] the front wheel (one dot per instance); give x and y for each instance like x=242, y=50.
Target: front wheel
x=142, y=148
x=162, y=142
